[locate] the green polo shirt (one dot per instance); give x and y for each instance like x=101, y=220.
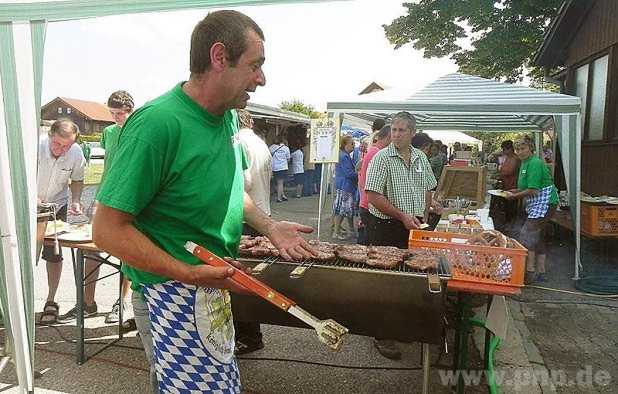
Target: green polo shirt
x=109, y=142
x=179, y=170
x=403, y=185
x=535, y=174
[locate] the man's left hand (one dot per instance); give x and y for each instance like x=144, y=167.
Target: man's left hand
x=76, y=208
x=436, y=207
x=285, y=236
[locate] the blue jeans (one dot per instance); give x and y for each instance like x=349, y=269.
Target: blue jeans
x=142, y=321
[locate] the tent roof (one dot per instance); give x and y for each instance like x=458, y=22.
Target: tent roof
x=267, y=112
x=463, y=102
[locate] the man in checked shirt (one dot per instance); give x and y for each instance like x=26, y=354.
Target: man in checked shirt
x=399, y=180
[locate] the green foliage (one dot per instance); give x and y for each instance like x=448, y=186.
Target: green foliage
x=298, y=106
x=504, y=34
x=492, y=141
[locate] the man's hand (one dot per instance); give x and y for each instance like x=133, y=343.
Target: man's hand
x=435, y=207
x=285, y=236
x=218, y=277
x=76, y=208
x=510, y=195
x=411, y=222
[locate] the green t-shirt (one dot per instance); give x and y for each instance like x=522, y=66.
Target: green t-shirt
x=179, y=171
x=534, y=174
x=109, y=142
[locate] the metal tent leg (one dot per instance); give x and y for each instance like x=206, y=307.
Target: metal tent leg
x=426, y=368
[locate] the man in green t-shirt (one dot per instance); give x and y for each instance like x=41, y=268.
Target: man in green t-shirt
x=120, y=105
x=177, y=177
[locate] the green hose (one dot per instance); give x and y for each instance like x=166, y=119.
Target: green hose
x=604, y=284
x=493, y=345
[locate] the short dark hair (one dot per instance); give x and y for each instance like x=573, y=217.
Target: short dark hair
x=383, y=133
x=508, y=144
x=120, y=99
x=421, y=140
x=378, y=124
x=406, y=116
x=227, y=27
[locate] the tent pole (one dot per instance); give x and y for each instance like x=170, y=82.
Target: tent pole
x=321, y=199
x=578, y=185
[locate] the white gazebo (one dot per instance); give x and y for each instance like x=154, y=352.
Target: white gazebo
x=22, y=39
x=468, y=103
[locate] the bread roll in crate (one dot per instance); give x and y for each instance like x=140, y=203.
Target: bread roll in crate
x=488, y=258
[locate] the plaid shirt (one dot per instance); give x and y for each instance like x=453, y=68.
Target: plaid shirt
x=404, y=187
x=537, y=206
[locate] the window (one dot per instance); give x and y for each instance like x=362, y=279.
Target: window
x=581, y=90
x=60, y=110
x=591, y=88
x=598, y=86
x=68, y=110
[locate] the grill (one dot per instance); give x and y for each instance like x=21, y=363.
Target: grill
x=400, y=303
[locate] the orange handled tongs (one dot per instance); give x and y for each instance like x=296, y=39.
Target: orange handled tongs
x=329, y=331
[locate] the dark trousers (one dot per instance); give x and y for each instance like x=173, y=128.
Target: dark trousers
x=387, y=232
x=248, y=332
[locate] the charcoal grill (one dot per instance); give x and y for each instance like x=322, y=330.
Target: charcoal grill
x=400, y=303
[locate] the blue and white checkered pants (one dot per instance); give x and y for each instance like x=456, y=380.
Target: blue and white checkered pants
x=193, y=338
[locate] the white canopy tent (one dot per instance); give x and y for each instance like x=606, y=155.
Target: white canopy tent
x=463, y=102
x=22, y=35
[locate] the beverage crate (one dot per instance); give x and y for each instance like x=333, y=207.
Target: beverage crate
x=599, y=220
x=475, y=264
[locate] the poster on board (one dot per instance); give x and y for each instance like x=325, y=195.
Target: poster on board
x=324, y=140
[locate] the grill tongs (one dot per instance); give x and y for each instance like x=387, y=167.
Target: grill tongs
x=329, y=331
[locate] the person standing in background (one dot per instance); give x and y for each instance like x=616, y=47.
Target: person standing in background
x=257, y=186
x=298, y=169
x=61, y=166
x=281, y=155
x=345, y=188
x=310, y=186
x=383, y=138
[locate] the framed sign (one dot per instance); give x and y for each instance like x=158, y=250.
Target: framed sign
x=324, y=140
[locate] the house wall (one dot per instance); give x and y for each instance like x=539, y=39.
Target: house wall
x=598, y=36
x=598, y=32
x=86, y=125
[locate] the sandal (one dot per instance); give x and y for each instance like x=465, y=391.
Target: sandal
x=50, y=313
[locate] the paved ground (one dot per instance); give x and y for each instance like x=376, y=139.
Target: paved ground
x=545, y=333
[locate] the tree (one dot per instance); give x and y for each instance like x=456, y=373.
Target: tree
x=301, y=108
x=504, y=34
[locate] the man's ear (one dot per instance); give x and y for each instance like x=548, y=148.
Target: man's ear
x=218, y=56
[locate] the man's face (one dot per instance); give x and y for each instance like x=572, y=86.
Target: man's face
x=60, y=145
x=120, y=115
x=247, y=74
x=401, y=134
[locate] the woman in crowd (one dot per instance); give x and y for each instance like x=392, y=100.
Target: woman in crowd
x=281, y=155
x=345, y=185
x=535, y=186
x=298, y=169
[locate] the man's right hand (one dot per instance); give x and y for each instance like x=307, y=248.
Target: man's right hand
x=217, y=277
x=410, y=222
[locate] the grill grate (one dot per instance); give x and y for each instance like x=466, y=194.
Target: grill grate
x=442, y=271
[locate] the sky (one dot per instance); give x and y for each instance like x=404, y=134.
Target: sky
x=315, y=52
